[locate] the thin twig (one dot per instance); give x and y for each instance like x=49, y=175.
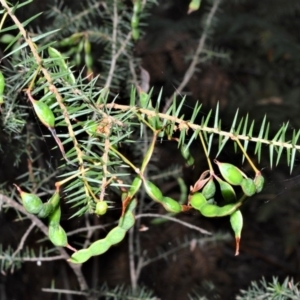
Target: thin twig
x=192, y=68
x=188, y=225
x=62, y=291
x=35, y=259
x=132, y=254
x=23, y=239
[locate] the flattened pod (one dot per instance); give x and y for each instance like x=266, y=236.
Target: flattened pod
x=46, y=210
x=116, y=235
x=43, y=112
x=54, y=200
x=127, y=221
x=259, y=182
x=171, y=205
x=236, y=221
x=57, y=236
x=248, y=187
x=197, y=201
x=135, y=186
x=211, y=210
x=209, y=189
x=230, y=173
x=227, y=191
x=80, y=256
x=99, y=247
x=153, y=191
x=54, y=217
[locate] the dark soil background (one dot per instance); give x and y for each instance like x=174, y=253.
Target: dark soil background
x=261, y=77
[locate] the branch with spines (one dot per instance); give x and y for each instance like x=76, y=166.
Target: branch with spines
x=278, y=142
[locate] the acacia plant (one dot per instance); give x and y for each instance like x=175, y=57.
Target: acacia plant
x=95, y=123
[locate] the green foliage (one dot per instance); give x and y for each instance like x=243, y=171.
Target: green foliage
x=271, y=290
x=96, y=111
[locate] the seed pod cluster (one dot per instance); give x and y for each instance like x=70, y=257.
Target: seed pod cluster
x=115, y=236
x=234, y=176
x=201, y=201
x=51, y=209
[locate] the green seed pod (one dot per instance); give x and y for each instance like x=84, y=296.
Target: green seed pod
x=248, y=187
x=230, y=173
x=6, y=38
x=57, y=236
x=135, y=186
x=197, y=200
x=59, y=59
x=54, y=200
x=67, y=42
x=87, y=46
x=101, y=208
x=80, y=256
x=43, y=112
x=135, y=32
x=259, y=182
x=116, y=235
x=53, y=53
x=31, y=202
x=209, y=189
x=54, y=217
x=78, y=58
x=46, y=210
x=137, y=7
x=134, y=21
x=128, y=220
x=227, y=191
x=194, y=5
x=211, y=210
x=153, y=191
x=99, y=247
x=2, y=87
x=171, y=205
x=236, y=221
x=88, y=59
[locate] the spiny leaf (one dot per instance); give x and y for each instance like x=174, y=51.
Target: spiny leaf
x=204, y=124
x=281, y=139
x=196, y=111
